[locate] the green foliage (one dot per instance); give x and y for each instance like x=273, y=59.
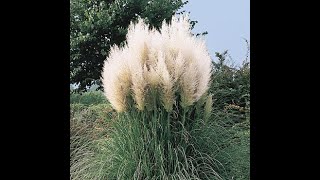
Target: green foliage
x=231, y=87
x=231, y=112
x=239, y=150
x=88, y=98
x=150, y=145
x=88, y=125
x=137, y=146
x=96, y=25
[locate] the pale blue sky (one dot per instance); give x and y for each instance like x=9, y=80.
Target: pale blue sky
x=227, y=23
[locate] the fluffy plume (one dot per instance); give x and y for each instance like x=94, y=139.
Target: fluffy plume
x=208, y=108
x=168, y=60
x=165, y=82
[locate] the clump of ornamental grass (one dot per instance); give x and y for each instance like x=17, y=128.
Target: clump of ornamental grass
x=158, y=83
x=87, y=129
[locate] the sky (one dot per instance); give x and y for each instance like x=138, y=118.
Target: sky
x=227, y=23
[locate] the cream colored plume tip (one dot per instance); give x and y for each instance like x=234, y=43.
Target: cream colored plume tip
x=170, y=60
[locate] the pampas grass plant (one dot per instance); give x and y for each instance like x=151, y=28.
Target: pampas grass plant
x=155, y=82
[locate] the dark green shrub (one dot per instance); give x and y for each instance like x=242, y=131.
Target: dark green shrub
x=88, y=98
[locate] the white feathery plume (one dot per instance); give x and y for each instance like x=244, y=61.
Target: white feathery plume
x=171, y=59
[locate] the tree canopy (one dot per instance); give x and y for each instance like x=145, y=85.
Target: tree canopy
x=96, y=25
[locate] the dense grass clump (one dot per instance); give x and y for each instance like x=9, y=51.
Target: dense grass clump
x=158, y=145
x=159, y=89
x=102, y=141
x=95, y=132
x=88, y=125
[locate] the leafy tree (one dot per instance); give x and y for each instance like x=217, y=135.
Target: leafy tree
x=96, y=25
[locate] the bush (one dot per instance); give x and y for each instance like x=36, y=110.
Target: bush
x=88, y=98
x=231, y=88
x=231, y=108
